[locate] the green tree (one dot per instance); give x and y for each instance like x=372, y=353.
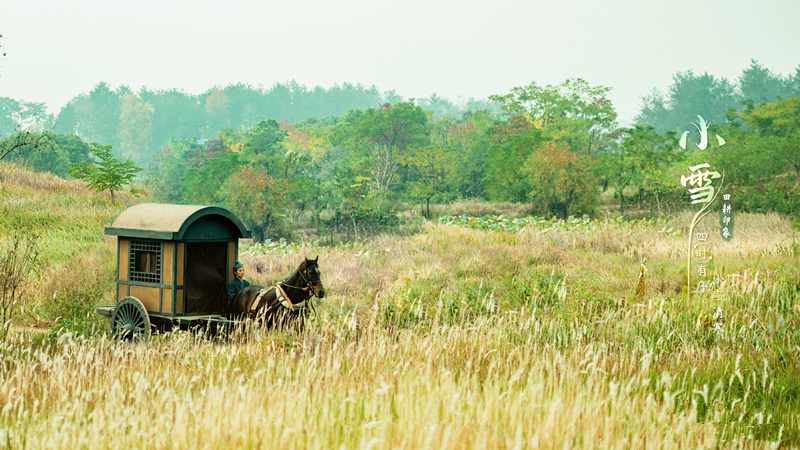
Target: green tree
x=793, y=83
x=769, y=156
x=379, y=137
x=438, y=105
x=264, y=138
x=760, y=85
x=505, y=179
x=103, y=111
x=76, y=149
x=37, y=150
x=135, y=128
x=75, y=117
x=258, y=199
x=432, y=166
x=469, y=141
x=106, y=173
x=166, y=173
x=688, y=96
x=217, y=111
x=176, y=114
x=393, y=126
x=34, y=116
x=778, y=123
x=642, y=163
x=574, y=113
x=361, y=210
x=10, y=111
x=561, y=182
x=202, y=182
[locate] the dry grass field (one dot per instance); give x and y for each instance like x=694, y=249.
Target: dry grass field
x=451, y=338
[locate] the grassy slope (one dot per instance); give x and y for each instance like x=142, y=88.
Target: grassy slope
x=450, y=338
x=77, y=259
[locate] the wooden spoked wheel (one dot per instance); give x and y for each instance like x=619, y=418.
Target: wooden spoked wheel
x=130, y=320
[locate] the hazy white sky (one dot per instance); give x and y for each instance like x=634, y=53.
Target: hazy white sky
x=57, y=49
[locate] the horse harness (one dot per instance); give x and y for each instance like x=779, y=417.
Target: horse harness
x=283, y=298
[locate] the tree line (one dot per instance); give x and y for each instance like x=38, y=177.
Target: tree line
x=557, y=148
x=136, y=124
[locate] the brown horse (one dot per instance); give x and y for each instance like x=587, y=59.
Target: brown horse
x=284, y=304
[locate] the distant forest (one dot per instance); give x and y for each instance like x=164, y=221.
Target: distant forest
x=137, y=124
x=345, y=157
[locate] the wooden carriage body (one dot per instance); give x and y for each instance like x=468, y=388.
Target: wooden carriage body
x=176, y=259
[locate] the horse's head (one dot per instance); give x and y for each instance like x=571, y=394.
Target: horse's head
x=309, y=270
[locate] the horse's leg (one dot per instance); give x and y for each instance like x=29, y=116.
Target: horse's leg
x=267, y=309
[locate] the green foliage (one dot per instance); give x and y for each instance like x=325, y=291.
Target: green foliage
x=492, y=223
x=16, y=116
x=757, y=84
x=394, y=126
x=264, y=137
x=778, y=127
x=360, y=221
x=138, y=123
x=9, y=109
x=780, y=194
x=106, y=173
x=39, y=151
x=432, y=166
x=361, y=211
x=574, y=113
x=688, y=96
x=204, y=179
x=505, y=179
x=258, y=199
x=103, y=106
x=642, y=164
x=78, y=326
x=766, y=162
x=363, y=164
x=44, y=152
x=73, y=146
x=712, y=97
x=469, y=141
x=165, y=175
x=135, y=128
x=561, y=182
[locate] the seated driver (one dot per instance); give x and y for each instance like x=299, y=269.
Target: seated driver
x=238, y=283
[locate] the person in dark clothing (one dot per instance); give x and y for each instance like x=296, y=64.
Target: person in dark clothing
x=238, y=283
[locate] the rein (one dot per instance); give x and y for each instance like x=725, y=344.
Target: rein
x=303, y=278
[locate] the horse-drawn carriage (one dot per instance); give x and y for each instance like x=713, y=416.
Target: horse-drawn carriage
x=173, y=265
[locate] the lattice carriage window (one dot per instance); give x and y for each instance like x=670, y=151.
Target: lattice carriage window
x=145, y=264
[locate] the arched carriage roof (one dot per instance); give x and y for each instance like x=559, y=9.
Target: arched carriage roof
x=178, y=223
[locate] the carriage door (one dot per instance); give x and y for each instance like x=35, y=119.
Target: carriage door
x=206, y=277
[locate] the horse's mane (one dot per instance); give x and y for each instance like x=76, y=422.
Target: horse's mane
x=291, y=279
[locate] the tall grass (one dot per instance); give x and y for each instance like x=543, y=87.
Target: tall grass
x=451, y=338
